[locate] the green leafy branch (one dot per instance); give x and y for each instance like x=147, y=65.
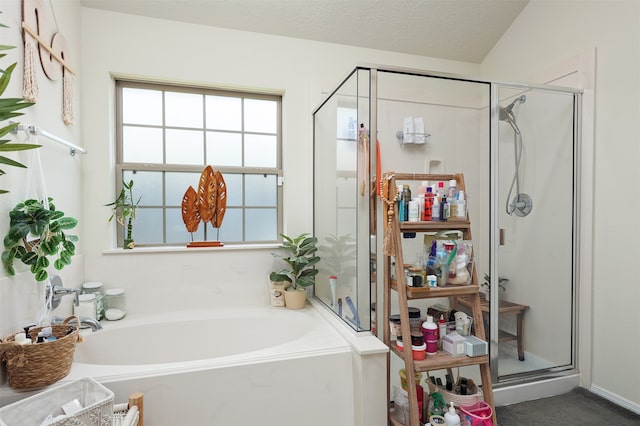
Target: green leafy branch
x=8, y=110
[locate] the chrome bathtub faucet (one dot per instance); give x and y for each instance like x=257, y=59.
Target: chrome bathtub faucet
x=55, y=291
x=85, y=322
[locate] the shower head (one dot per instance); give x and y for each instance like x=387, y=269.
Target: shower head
x=520, y=99
x=506, y=113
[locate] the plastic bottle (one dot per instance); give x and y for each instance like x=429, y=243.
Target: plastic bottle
x=462, y=206
x=406, y=198
x=452, y=418
x=400, y=204
x=435, y=211
x=430, y=332
x=440, y=192
x=451, y=191
x=444, y=209
x=428, y=204
x=414, y=210
x=442, y=330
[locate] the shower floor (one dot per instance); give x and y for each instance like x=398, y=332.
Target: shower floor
x=508, y=362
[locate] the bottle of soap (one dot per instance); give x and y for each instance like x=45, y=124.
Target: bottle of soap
x=452, y=418
x=462, y=206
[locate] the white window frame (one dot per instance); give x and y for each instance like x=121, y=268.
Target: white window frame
x=122, y=166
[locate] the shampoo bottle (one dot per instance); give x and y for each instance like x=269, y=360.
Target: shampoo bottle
x=452, y=418
x=430, y=333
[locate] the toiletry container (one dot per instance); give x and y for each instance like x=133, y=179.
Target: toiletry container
x=403, y=378
x=419, y=352
x=394, y=325
x=462, y=206
x=428, y=205
x=115, y=304
x=430, y=333
x=451, y=192
x=406, y=199
x=86, y=306
x=95, y=287
x=442, y=330
x=415, y=321
x=452, y=418
x=414, y=210
x=435, y=209
x=401, y=404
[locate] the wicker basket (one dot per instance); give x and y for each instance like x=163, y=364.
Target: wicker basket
x=46, y=407
x=38, y=365
x=457, y=399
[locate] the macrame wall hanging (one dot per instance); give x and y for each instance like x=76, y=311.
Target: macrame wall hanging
x=53, y=57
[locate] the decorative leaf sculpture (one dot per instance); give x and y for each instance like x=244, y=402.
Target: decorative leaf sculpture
x=207, y=194
x=221, y=200
x=190, y=211
x=208, y=204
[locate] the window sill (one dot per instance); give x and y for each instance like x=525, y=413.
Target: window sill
x=183, y=249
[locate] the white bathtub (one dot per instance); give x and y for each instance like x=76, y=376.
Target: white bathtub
x=262, y=366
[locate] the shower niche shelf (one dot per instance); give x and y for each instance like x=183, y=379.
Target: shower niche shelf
x=471, y=293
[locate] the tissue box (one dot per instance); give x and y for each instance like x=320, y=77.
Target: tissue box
x=475, y=347
x=454, y=344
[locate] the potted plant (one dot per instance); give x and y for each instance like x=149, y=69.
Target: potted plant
x=486, y=285
x=37, y=231
x=124, y=210
x=300, y=258
x=8, y=109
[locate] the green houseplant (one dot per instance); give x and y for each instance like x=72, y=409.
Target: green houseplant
x=36, y=232
x=124, y=211
x=300, y=257
x=8, y=109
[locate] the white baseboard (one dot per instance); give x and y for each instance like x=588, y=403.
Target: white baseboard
x=535, y=390
x=616, y=399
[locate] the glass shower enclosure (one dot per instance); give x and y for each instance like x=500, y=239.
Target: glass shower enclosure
x=516, y=145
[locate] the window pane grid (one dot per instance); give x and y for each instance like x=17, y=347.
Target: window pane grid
x=191, y=140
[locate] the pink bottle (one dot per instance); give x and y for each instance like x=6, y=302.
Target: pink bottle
x=430, y=333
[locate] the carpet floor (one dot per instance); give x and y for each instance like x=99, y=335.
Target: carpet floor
x=579, y=407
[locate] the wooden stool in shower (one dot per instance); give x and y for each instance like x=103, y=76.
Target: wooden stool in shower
x=504, y=308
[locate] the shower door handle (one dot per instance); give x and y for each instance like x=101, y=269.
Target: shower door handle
x=501, y=236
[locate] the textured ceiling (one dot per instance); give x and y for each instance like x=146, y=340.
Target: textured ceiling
x=463, y=30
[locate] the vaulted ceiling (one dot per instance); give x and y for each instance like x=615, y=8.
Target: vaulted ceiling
x=462, y=30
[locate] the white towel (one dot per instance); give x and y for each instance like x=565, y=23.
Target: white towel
x=418, y=126
x=408, y=130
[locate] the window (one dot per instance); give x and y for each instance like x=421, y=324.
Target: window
x=166, y=135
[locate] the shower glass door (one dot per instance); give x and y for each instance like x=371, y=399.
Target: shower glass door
x=533, y=263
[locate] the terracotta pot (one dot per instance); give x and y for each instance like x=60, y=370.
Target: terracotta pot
x=295, y=299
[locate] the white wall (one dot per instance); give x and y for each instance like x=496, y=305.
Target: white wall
x=547, y=33
x=63, y=173
x=172, y=51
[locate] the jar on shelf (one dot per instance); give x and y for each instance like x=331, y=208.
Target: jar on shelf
x=86, y=306
x=95, y=287
x=415, y=321
x=115, y=304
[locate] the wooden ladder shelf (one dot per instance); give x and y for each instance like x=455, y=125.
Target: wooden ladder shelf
x=471, y=293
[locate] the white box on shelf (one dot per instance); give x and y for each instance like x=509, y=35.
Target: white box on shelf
x=475, y=346
x=454, y=344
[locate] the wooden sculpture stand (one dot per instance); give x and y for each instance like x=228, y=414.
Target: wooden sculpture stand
x=198, y=244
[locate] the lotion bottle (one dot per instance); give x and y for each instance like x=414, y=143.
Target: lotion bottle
x=452, y=418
